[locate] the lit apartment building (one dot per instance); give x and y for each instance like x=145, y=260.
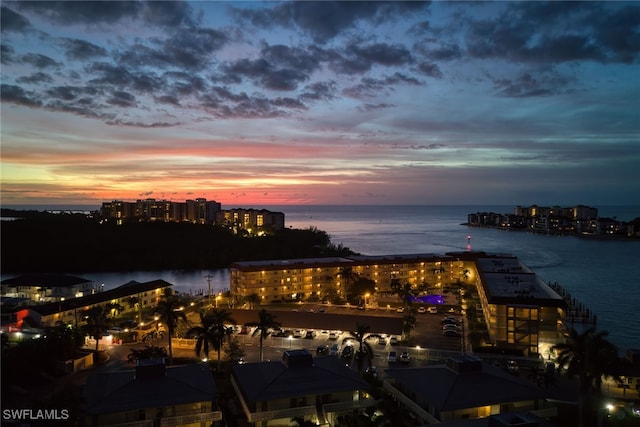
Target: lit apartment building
x=295, y=279
x=317, y=390
x=46, y=287
x=198, y=211
x=521, y=311
x=252, y=220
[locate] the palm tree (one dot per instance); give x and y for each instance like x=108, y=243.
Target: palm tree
x=589, y=356
x=253, y=300
x=98, y=322
x=347, y=275
x=169, y=310
x=114, y=309
x=365, y=351
x=409, y=322
x=266, y=321
x=213, y=331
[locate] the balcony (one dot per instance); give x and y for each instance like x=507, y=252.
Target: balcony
x=206, y=417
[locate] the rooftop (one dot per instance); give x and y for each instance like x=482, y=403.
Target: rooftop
x=46, y=280
x=275, y=380
x=449, y=387
x=509, y=280
x=119, y=391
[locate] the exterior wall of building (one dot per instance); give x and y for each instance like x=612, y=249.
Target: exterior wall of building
x=288, y=284
x=251, y=219
x=151, y=414
x=75, y=316
x=41, y=293
x=199, y=210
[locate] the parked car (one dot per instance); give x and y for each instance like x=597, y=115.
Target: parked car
x=432, y=310
x=451, y=320
x=393, y=341
x=451, y=333
x=451, y=326
x=392, y=357
x=400, y=309
x=405, y=357
x=299, y=333
x=422, y=310
x=347, y=352
x=115, y=330
x=322, y=350
x=512, y=367
x=334, y=349
x=382, y=341
x=311, y=334
x=371, y=372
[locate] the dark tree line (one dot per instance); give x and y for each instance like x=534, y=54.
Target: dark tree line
x=40, y=242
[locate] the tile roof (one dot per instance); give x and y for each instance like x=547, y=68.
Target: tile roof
x=273, y=380
x=119, y=391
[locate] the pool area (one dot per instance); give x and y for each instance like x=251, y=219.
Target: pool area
x=428, y=299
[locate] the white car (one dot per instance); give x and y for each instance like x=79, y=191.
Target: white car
x=432, y=310
x=422, y=310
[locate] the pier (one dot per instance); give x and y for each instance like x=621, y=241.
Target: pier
x=576, y=311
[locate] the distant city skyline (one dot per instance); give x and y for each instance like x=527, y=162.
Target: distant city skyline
x=290, y=103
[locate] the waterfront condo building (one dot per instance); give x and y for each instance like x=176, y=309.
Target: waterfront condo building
x=251, y=220
x=521, y=311
x=198, y=211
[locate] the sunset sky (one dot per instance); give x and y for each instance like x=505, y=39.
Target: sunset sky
x=250, y=103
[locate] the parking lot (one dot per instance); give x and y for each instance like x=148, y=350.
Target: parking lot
x=311, y=327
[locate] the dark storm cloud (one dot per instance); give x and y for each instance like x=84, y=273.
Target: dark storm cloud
x=119, y=122
x=288, y=103
x=35, y=78
x=16, y=95
x=527, y=85
x=168, y=99
x=77, y=49
x=11, y=21
x=227, y=95
x=291, y=57
x=122, y=99
x=568, y=31
x=146, y=82
x=430, y=69
x=65, y=93
x=7, y=54
x=266, y=74
x=370, y=87
x=356, y=59
x=39, y=61
x=84, y=107
x=443, y=52
x=373, y=107
x=324, y=20
x=110, y=74
x=189, y=49
x=160, y=13
x=619, y=33
x=319, y=91
x=383, y=54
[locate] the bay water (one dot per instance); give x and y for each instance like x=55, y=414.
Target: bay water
x=604, y=275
